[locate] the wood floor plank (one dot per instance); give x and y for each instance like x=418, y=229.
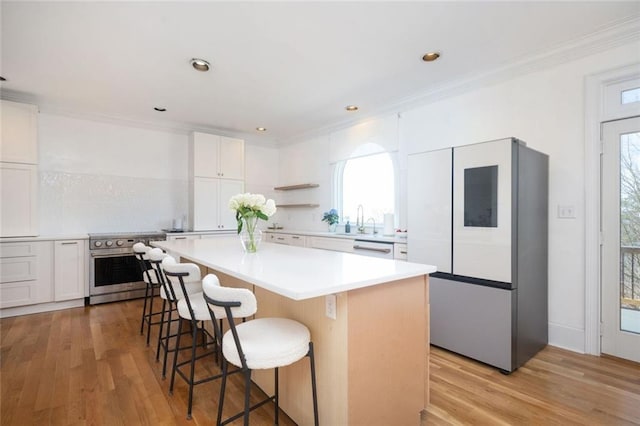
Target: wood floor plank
x=91, y=366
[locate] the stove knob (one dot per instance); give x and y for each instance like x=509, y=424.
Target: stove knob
x=119, y=243
x=109, y=243
x=98, y=244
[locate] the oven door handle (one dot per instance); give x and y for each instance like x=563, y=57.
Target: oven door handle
x=101, y=255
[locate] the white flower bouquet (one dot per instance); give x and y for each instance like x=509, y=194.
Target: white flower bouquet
x=249, y=208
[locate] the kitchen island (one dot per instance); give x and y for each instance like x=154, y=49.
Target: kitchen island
x=372, y=360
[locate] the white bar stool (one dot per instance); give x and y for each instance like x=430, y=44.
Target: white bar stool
x=152, y=282
x=191, y=307
x=262, y=343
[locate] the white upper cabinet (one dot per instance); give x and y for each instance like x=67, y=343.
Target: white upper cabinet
x=216, y=156
x=19, y=141
x=18, y=200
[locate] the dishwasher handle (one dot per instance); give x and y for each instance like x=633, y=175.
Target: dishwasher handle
x=379, y=250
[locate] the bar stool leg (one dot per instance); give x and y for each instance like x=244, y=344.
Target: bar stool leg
x=164, y=307
x=175, y=357
x=275, y=374
x=144, y=309
x=247, y=392
x=194, y=343
x=313, y=384
x=150, y=314
x=223, y=385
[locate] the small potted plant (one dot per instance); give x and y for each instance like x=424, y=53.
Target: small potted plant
x=332, y=218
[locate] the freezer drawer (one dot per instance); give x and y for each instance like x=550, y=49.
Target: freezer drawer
x=473, y=320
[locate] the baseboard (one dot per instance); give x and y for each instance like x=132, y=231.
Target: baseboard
x=566, y=337
x=40, y=307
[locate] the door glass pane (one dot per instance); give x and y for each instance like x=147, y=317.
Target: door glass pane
x=630, y=232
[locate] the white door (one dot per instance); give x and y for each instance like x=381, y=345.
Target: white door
x=621, y=239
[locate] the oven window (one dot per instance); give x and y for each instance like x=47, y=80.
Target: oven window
x=481, y=197
x=116, y=270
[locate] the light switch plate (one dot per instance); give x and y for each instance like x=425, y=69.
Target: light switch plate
x=566, y=212
x=330, y=306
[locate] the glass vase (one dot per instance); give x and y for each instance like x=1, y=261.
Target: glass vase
x=250, y=236
x=332, y=227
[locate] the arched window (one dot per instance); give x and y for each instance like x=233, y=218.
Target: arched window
x=369, y=182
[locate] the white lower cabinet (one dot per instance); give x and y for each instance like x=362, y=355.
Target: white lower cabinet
x=70, y=273
x=329, y=243
x=400, y=251
x=288, y=239
x=26, y=270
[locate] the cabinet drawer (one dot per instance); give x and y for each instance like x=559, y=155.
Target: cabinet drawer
x=18, y=293
x=400, y=251
x=16, y=269
x=279, y=239
x=17, y=249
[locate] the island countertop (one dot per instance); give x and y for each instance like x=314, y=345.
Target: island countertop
x=298, y=273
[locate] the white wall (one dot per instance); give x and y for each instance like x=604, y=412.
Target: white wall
x=546, y=110
x=105, y=177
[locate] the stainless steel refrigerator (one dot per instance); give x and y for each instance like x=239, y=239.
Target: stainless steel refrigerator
x=480, y=214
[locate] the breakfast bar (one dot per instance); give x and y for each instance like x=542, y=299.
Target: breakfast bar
x=368, y=317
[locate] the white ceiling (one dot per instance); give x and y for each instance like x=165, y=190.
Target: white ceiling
x=291, y=67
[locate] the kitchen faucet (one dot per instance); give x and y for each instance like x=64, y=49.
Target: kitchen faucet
x=360, y=219
x=374, y=225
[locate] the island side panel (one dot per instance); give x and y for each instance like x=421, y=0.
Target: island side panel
x=330, y=345
x=388, y=353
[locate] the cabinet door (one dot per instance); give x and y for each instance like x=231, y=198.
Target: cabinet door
x=226, y=216
x=482, y=175
x=69, y=270
x=18, y=213
x=205, y=153
x=19, y=141
x=205, y=204
x=429, y=208
x=231, y=158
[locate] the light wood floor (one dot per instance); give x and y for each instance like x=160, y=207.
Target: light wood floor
x=91, y=366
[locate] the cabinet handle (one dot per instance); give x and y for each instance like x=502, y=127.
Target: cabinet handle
x=280, y=238
x=403, y=252
x=295, y=237
x=180, y=238
x=68, y=243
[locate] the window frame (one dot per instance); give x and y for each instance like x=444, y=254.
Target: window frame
x=338, y=181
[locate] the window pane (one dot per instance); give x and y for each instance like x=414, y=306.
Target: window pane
x=370, y=182
x=630, y=96
x=630, y=232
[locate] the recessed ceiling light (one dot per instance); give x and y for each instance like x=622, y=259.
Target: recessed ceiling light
x=2, y=78
x=431, y=56
x=160, y=109
x=200, y=64
x=261, y=129
x=351, y=108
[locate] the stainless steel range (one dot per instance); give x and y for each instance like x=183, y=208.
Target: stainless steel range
x=114, y=271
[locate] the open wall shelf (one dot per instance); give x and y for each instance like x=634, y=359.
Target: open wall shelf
x=293, y=187
x=298, y=205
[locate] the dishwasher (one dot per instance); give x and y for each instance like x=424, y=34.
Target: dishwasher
x=373, y=248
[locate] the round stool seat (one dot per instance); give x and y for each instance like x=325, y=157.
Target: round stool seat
x=268, y=343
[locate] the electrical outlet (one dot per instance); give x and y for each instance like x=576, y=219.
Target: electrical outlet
x=330, y=306
x=566, y=212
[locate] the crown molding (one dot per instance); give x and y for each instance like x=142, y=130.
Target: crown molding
x=156, y=125
x=606, y=38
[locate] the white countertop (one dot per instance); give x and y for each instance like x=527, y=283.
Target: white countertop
x=295, y=272
x=44, y=238
x=353, y=236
